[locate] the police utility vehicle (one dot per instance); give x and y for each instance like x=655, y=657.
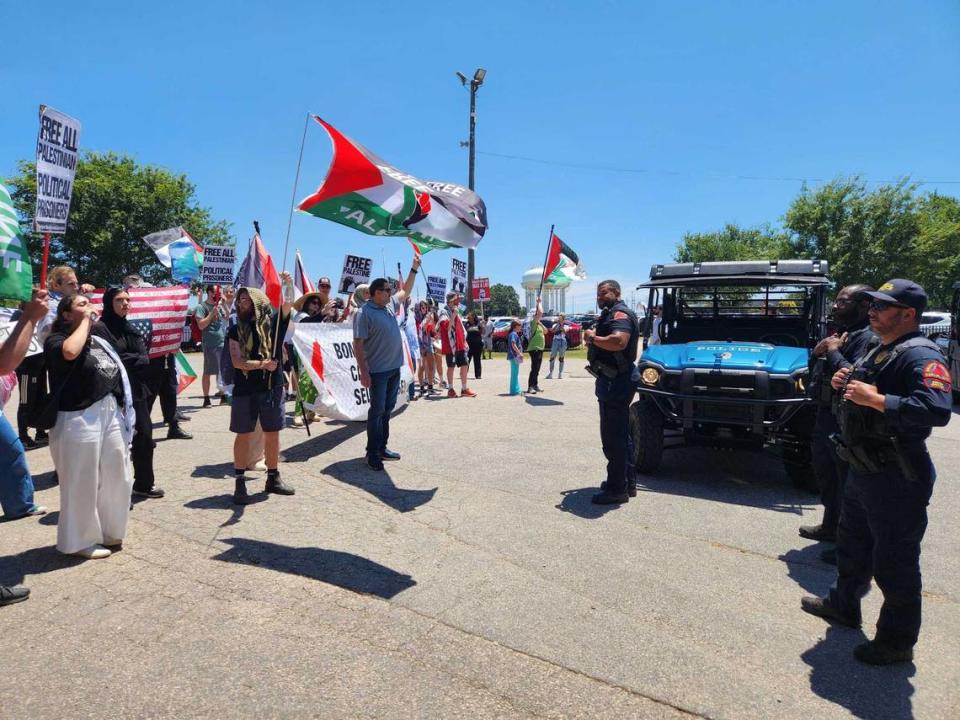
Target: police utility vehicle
x=728, y=364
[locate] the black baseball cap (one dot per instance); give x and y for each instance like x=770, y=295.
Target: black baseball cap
x=898, y=291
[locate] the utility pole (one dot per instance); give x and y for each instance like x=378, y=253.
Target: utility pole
x=475, y=84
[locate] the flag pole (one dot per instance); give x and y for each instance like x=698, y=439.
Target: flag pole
x=46, y=257
x=545, y=258
x=293, y=199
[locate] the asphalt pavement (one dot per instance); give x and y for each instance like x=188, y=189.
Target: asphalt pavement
x=473, y=579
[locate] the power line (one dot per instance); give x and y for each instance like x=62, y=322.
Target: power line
x=708, y=175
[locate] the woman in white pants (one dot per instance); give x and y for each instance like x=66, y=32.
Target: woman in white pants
x=91, y=439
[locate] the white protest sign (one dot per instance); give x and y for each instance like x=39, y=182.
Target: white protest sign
x=57, y=148
x=437, y=288
x=356, y=271
x=326, y=353
x=458, y=276
x=36, y=345
x=218, y=264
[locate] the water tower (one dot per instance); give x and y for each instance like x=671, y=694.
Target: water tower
x=554, y=292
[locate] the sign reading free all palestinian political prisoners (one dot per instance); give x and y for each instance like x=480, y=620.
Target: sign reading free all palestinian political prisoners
x=218, y=264
x=458, y=276
x=57, y=150
x=356, y=271
x=326, y=352
x=437, y=288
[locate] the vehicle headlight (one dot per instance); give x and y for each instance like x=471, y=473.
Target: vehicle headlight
x=801, y=385
x=650, y=376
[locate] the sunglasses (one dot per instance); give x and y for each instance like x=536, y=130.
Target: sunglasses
x=881, y=305
x=324, y=285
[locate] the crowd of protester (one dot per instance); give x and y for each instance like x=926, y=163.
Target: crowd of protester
x=91, y=391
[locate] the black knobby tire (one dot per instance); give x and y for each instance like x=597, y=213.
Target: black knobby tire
x=646, y=436
x=799, y=467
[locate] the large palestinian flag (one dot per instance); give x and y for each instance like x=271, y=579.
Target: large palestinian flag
x=562, y=262
x=365, y=193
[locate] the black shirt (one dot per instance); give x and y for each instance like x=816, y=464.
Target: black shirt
x=254, y=381
x=89, y=378
x=133, y=353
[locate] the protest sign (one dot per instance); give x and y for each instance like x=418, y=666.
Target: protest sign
x=218, y=264
x=437, y=288
x=57, y=149
x=36, y=345
x=458, y=276
x=326, y=354
x=481, y=289
x=356, y=271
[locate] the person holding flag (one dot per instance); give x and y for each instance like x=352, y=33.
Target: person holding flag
x=453, y=344
x=256, y=352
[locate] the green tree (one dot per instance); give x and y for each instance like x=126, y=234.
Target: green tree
x=115, y=203
x=503, y=300
x=734, y=243
x=937, y=248
x=867, y=236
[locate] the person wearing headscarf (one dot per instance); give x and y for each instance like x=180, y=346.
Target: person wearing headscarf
x=90, y=441
x=256, y=346
x=127, y=341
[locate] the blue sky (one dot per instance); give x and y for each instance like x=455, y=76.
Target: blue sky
x=647, y=119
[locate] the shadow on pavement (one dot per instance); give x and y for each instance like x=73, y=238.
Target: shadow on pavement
x=323, y=440
x=45, y=481
x=531, y=400
x=225, y=502
x=378, y=484
x=579, y=502
x=752, y=479
x=219, y=471
x=345, y=570
x=807, y=570
x=866, y=691
x=35, y=561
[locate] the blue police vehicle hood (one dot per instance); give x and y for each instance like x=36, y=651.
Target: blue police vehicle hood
x=728, y=356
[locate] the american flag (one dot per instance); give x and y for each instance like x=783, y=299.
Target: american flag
x=157, y=313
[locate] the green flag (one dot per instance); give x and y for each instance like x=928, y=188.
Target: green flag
x=16, y=274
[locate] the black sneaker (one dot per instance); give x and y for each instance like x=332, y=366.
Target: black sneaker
x=177, y=433
x=606, y=498
x=277, y=486
x=15, y=594
x=631, y=488
x=207, y=403
x=818, y=533
x=375, y=464
x=874, y=653
x=823, y=609
x=388, y=454
x=29, y=443
x=154, y=492
x=42, y=438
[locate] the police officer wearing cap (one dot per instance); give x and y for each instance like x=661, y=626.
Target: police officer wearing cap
x=850, y=339
x=890, y=400
x=611, y=351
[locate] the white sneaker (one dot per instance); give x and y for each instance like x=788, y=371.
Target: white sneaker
x=259, y=466
x=94, y=552
x=297, y=421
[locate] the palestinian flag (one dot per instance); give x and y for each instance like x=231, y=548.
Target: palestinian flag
x=16, y=273
x=185, y=372
x=367, y=194
x=177, y=250
x=562, y=263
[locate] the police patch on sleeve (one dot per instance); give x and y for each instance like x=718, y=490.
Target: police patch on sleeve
x=620, y=315
x=936, y=376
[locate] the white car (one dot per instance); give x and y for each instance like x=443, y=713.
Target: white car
x=934, y=323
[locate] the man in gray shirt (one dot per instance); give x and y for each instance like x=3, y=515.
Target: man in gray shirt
x=378, y=347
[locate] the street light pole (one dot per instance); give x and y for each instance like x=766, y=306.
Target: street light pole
x=475, y=84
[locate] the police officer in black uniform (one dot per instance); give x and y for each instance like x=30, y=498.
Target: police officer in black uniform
x=611, y=351
x=891, y=399
x=849, y=341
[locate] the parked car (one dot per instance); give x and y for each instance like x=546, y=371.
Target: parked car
x=501, y=330
x=934, y=323
x=586, y=321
